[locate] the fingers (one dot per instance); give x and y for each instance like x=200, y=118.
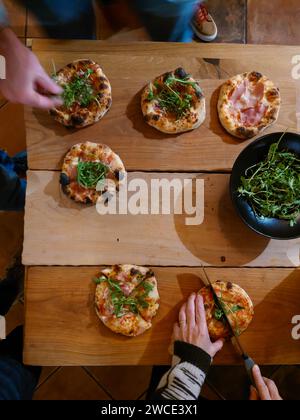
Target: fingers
x=274, y=393
x=200, y=313
x=176, y=333
x=191, y=312
x=37, y=100
x=261, y=386
x=217, y=346
x=182, y=316
x=47, y=84
x=253, y=394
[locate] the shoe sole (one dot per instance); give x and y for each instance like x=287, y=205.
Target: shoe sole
x=206, y=38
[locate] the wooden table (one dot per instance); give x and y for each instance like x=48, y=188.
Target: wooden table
x=66, y=244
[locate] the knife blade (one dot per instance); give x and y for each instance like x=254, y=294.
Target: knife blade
x=248, y=362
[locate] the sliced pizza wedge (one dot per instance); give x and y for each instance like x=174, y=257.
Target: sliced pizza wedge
x=237, y=304
x=127, y=299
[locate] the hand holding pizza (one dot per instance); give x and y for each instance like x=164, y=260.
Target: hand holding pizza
x=26, y=82
x=266, y=390
x=192, y=326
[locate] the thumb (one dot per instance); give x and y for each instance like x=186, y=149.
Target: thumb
x=217, y=346
x=47, y=84
x=253, y=394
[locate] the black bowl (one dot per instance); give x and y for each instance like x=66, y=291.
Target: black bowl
x=253, y=154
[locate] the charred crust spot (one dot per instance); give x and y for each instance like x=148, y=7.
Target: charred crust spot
x=103, y=86
x=206, y=306
x=166, y=76
x=102, y=79
x=229, y=286
x=255, y=76
x=181, y=73
x=53, y=112
x=244, y=133
x=64, y=179
x=147, y=118
x=88, y=200
x=116, y=268
x=272, y=95
x=119, y=175
x=149, y=274
x=134, y=272
x=155, y=117
x=77, y=120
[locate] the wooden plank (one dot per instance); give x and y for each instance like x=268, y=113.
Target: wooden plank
x=267, y=52
x=209, y=148
x=61, y=232
x=62, y=328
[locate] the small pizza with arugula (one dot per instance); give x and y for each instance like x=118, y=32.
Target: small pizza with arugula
x=235, y=302
x=248, y=104
x=127, y=299
x=86, y=94
x=174, y=103
x=90, y=170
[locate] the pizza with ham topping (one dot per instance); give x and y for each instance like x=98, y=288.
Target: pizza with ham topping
x=127, y=299
x=86, y=94
x=248, y=104
x=91, y=170
x=237, y=304
x=174, y=103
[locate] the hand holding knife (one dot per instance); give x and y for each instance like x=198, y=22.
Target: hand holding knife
x=249, y=363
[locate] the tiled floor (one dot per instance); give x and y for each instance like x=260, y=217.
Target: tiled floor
x=253, y=21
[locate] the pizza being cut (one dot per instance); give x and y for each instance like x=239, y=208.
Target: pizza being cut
x=127, y=299
x=174, y=103
x=88, y=166
x=248, y=104
x=87, y=94
x=237, y=304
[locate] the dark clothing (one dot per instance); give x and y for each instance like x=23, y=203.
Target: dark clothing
x=12, y=188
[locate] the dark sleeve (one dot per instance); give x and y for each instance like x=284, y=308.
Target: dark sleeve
x=187, y=375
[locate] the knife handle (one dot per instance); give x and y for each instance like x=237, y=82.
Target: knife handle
x=249, y=364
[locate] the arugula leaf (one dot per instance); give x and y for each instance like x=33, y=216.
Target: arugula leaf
x=90, y=173
x=172, y=98
x=79, y=90
x=272, y=187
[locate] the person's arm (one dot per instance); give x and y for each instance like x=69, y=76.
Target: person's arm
x=193, y=354
x=265, y=390
x=26, y=81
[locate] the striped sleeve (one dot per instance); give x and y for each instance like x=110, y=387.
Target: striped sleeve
x=187, y=375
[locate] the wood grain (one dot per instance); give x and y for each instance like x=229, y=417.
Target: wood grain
x=61, y=232
x=61, y=326
x=141, y=146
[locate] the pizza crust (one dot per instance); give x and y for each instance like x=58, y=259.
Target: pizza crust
x=130, y=279
x=232, y=295
x=91, y=152
x=79, y=116
x=163, y=121
x=248, y=104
